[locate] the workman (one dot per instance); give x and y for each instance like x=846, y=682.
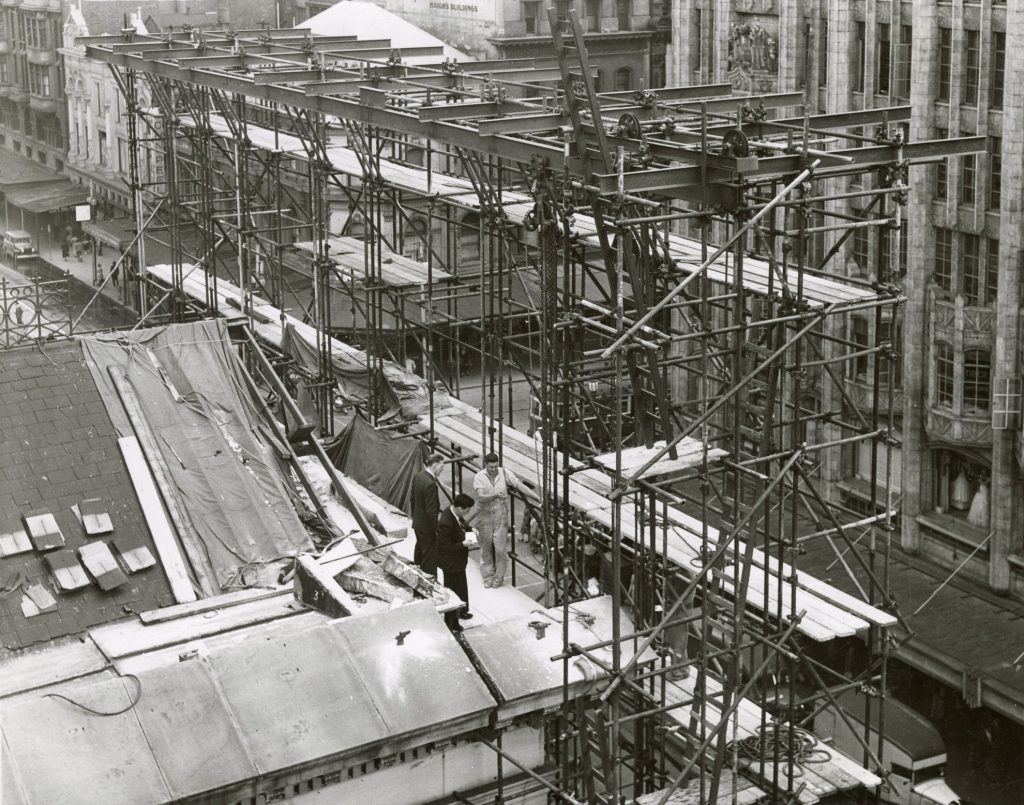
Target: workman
x=426, y=507
x=492, y=516
x=453, y=555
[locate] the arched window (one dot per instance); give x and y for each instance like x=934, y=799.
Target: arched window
x=623, y=79
x=977, y=380
x=944, y=374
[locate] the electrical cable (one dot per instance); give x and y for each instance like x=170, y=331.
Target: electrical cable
x=134, y=700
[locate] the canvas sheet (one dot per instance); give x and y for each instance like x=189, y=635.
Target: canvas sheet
x=190, y=387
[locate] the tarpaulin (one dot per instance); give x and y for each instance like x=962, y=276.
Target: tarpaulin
x=378, y=461
x=214, y=445
x=393, y=387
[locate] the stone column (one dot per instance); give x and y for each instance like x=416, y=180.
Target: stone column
x=93, y=138
x=793, y=43
x=916, y=351
x=1005, y=480
x=80, y=131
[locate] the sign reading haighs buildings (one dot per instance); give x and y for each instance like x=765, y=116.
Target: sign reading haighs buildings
x=464, y=25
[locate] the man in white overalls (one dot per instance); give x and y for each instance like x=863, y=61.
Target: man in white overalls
x=493, y=513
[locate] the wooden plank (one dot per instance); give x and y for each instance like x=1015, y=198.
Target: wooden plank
x=199, y=559
x=209, y=604
x=134, y=637
x=159, y=526
x=54, y=662
x=316, y=587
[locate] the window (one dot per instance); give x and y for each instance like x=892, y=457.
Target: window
x=961, y=490
x=593, y=15
x=977, y=379
x=973, y=290
x=904, y=53
x=995, y=170
x=942, y=169
x=860, y=246
x=859, y=337
x=622, y=11
x=998, y=69
x=562, y=12
x=39, y=80
x=944, y=374
x=858, y=60
x=823, y=52
x=657, y=71
x=991, y=270
x=968, y=179
x=972, y=68
x=944, y=258
x=945, y=62
x=623, y=79
x=884, y=59
x=530, y=17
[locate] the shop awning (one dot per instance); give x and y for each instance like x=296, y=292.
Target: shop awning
x=117, y=233
x=16, y=170
x=48, y=197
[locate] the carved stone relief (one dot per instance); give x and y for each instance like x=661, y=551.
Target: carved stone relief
x=753, y=56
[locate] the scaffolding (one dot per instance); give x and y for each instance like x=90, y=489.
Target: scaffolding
x=660, y=269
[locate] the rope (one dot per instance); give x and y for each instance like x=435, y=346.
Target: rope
x=795, y=747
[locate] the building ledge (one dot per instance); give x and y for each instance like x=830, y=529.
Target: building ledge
x=602, y=36
x=960, y=531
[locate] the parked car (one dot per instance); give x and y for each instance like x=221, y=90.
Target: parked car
x=913, y=752
x=18, y=245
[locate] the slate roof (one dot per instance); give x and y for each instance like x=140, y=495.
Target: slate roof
x=57, y=449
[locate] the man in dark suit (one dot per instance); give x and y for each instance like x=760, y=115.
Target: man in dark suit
x=453, y=555
x=425, y=510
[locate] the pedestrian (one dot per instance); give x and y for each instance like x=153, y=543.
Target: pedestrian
x=426, y=507
x=65, y=249
x=115, y=269
x=494, y=511
x=79, y=248
x=453, y=556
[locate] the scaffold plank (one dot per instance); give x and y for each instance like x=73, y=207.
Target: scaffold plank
x=817, y=291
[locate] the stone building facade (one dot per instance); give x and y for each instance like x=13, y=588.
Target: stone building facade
x=627, y=39
x=957, y=469
x=32, y=117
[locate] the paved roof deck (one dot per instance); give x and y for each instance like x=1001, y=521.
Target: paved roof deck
x=57, y=449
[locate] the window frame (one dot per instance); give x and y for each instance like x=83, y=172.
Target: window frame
x=945, y=371
x=883, y=49
x=977, y=381
x=997, y=88
x=944, y=258
x=969, y=180
x=972, y=66
x=945, y=63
